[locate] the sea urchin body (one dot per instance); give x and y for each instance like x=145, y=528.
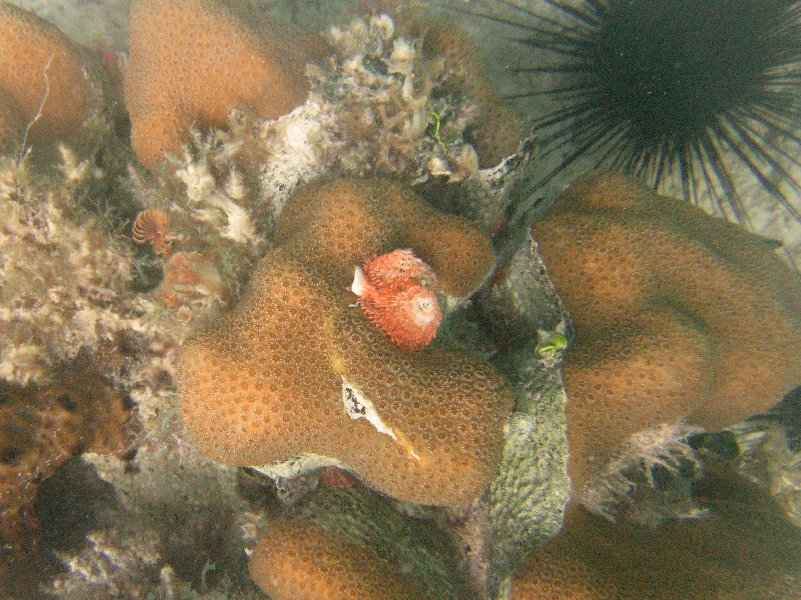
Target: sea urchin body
x=695, y=97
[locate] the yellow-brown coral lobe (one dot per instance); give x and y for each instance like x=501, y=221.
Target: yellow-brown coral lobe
x=351, y=220
x=677, y=314
x=41, y=70
x=298, y=561
x=192, y=61
x=594, y=559
x=275, y=377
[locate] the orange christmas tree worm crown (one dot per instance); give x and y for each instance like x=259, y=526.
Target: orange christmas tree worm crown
x=399, y=267
x=394, y=291
x=153, y=226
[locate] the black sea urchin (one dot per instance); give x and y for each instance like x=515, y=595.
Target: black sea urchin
x=692, y=96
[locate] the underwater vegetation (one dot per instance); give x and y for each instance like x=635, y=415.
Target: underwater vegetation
x=698, y=99
x=281, y=318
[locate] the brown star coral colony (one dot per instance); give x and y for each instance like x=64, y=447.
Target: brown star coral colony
x=187, y=379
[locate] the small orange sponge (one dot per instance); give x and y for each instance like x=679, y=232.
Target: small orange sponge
x=676, y=313
x=298, y=561
x=298, y=368
x=192, y=61
x=42, y=70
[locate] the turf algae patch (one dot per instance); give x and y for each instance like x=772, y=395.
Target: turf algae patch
x=526, y=501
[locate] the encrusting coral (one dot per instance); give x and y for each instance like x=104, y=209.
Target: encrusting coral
x=298, y=561
x=677, y=315
x=355, y=538
x=50, y=90
x=296, y=369
x=192, y=62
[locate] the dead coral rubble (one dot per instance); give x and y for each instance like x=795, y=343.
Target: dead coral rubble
x=297, y=369
x=63, y=275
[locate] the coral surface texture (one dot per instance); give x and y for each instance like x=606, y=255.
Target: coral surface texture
x=291, y=307
x=297, y=368
x=678, y=315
